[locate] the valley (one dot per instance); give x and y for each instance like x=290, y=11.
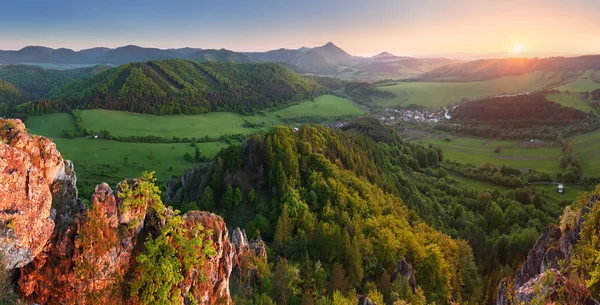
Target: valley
x=459, y=165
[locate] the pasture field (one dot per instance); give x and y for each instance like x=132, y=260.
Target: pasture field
x=481, y=151
x=212, y=124
x=50, y=125
x=572, y=100
x=98, y=160
x=587, y=150
x=476, y=184
x=586, y=82
x=324, y=105
x=438, y=94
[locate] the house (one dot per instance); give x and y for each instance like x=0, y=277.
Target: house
x=561, y=188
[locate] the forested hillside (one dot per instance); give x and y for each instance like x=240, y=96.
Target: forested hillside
x=356, y=205
x=38, y=83
x=182, y=86
x=528, y=109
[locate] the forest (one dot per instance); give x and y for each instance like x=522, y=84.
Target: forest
x=188, y=87
x=379, y=200
x=518, y=111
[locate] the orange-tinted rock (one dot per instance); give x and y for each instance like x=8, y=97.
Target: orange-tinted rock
x=84, y=262
x=28, y=165
x=218, y=268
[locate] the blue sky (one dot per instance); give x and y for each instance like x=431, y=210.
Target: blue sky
x=366, y=27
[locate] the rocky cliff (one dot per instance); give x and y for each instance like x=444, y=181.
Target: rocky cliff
x=28, y=168
x=540, y=277
x=65, y=253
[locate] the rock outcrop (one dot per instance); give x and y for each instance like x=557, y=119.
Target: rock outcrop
x=404, y=271
x=550, y=287
x=86, y=260
x=247, y=254
x=218, y=268
x=28, y=167
x=65, y=197
x=552, y=250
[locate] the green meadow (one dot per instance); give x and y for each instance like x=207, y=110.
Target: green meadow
x=481, y=151
x=587, y=148
x=50, y=125
x=438, y=94
x=572, y=100
x=586, y=82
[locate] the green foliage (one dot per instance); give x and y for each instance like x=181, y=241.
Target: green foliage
x=176, y=249
x=586, y=259
x=181, y=86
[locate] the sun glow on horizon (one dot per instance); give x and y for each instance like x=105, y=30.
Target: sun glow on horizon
x=517, y=48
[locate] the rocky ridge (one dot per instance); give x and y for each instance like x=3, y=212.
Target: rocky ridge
x=541, y=271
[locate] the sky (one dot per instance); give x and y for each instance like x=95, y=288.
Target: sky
x=361, y=27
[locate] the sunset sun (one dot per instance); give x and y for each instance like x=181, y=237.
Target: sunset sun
x=517, y=48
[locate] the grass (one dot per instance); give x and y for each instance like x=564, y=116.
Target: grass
x=587, y=148
x=476, y=184
x=50, y=125
x=324, y=105
x=583, y=83
x=572, y=100
x=438, y=94
x=98, y=160
x=481, y=151
x=213, y=124
x=570, y=192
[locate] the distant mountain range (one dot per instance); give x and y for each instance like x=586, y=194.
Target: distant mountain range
x=492, y=68
x=328, y=59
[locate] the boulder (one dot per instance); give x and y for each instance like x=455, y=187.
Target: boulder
x=404, y=271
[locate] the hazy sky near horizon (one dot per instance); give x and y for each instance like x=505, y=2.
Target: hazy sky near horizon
x=361, y=27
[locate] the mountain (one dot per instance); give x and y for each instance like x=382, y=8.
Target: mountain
x=182, y=86
x=327, y=59
x=493, y=68
x=314, y=62
x=221, y=55
x=333, y=52
x=37, y=83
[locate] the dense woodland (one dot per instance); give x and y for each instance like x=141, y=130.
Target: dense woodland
x=518, y=111
x=354, y=205
x=182, y=86
x=38, y=83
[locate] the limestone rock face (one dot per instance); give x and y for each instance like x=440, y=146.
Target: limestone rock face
x=28, y=165
x=218, y=268
x=74, y=269
x=404, y=270
x=551, y=248
x=553, y=286
x=65, y=197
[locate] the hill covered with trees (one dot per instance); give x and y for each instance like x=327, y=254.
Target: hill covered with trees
x=357, y=204
x=530, y=109
x=182, y=86
x=38, y=83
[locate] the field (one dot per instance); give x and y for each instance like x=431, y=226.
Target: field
x=325, y=105
x=572, y=100
x=50, y=125
x=584, y=83
x=587, y=148
x=213, y=124
x=480, y=151
x=438, y=94
x=98, y=160
x=125, y=124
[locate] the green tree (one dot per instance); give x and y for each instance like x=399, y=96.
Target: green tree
x=208, y=200
x=237, y=196
x=164, y=258
x=421, y=156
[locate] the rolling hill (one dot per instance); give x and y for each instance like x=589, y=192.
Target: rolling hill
x=181, y=86
x=492, y=68
x=8, y=93
x=37, y=83
x=221, y=55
